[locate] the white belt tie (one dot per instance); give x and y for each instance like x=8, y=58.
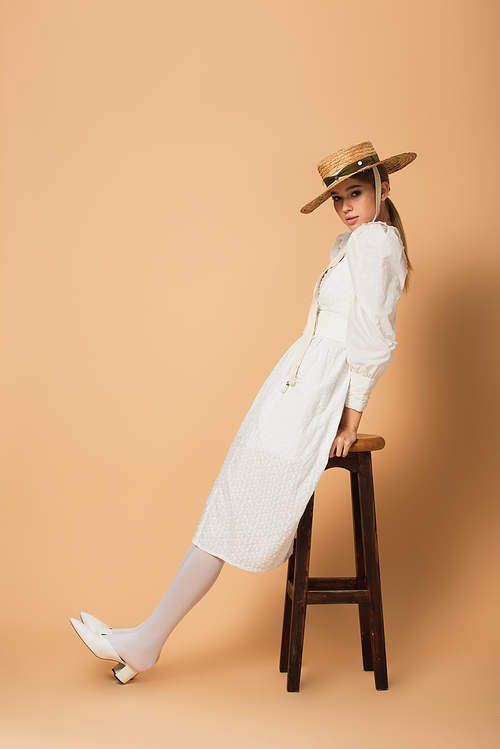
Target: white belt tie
x=330, y=325
x=310, y=329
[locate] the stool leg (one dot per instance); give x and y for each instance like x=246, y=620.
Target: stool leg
x=299, y=602
x=369, y=529
x=363, y=608
x=287, y=617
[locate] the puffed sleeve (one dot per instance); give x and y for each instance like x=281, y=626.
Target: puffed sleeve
x=378, y=268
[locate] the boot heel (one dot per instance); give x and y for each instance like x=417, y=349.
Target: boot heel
x=124, y=673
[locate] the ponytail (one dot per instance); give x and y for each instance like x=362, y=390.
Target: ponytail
x=396, y=221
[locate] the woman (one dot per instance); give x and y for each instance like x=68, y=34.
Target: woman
x=309, y=407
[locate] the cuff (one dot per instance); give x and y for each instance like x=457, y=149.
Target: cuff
x=359, y=391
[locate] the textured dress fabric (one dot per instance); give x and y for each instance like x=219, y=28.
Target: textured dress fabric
x=281, y=449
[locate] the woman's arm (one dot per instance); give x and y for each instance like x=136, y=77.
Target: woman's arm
x=346, y=433
x=378, y=270
x=377, y=264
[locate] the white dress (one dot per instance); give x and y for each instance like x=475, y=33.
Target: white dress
x=281, y=449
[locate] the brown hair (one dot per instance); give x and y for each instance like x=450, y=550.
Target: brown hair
x=394, y=217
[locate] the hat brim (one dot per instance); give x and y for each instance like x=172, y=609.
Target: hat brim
x=392, y=164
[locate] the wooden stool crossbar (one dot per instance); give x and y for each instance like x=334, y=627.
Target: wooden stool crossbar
x=364, y=589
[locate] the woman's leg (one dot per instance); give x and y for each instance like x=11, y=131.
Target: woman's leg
x=130, y=630
x=141, y=647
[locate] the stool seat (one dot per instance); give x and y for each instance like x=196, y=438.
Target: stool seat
x=367, y=443
x=363, y=589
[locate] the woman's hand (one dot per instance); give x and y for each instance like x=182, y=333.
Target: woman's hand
x=343, y=440
x=346, y=433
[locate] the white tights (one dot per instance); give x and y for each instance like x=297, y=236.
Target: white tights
x=141, y=646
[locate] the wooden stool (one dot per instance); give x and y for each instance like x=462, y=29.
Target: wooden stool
x=364, y=589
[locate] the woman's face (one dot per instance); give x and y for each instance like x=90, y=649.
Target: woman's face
x=354, y=202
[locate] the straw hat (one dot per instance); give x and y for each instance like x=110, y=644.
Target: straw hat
x=348, y=162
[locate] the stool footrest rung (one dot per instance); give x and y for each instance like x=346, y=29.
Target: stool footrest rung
x=337, y=596
x=332, y=590
x=333, y=583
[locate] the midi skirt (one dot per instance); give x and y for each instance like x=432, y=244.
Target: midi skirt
x=281, y=449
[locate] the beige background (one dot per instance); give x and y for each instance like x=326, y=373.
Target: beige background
x=155, y=266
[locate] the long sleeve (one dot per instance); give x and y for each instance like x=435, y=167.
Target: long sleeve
x=378, y=268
